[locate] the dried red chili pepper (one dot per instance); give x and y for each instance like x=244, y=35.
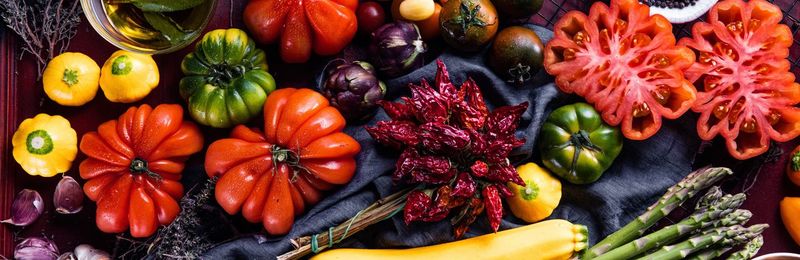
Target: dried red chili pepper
x=471, y=112
x=428, y=104
x=417, y=203
x=398, y=110
x=479, y=169
x=504, y=191
x=439, y=137
x=503, y=173
x=402, y=168
x=439, y=209
x=473, y=209
x=494, y=206
x=395, y=133
x=464, y=186
x=503, y=121
x=446, y=87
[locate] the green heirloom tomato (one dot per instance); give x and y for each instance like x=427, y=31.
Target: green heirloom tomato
x=226, y=80
x=577, y=145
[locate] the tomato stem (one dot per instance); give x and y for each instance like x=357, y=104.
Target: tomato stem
x=139, y=166
x=580, y=140
x=281, y=155
x=796, y=161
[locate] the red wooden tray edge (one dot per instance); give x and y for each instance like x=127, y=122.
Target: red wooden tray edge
x=8, y=96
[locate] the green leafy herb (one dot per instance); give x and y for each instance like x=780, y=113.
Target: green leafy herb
x=171, y=30
x=159, y=5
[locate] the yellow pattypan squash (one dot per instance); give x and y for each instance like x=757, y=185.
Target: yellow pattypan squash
x=540, y=196
x=128, y=77
x=45, y=145
x=71, y=79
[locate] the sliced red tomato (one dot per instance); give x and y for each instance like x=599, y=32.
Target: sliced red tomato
x=625, y=63
x=746, y=93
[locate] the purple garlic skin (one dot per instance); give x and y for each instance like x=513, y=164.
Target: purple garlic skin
x=68, y=197
x=26, y=208
x=36, y=248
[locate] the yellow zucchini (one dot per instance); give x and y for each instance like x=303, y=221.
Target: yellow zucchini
x=547, y=240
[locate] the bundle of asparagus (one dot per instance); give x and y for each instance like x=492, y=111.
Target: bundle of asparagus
x=716, y=226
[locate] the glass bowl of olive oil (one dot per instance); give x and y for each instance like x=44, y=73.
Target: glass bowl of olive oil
x=149, y=26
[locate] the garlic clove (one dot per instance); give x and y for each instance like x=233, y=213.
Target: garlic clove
x=26, y=208
x=87, y=252
x=68, y=197
x=36, y=248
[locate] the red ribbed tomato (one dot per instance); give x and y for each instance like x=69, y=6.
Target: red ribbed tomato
x=133, y=168
x=746, y=93
x=625, y=63
x=272, y=176
x=326, y=26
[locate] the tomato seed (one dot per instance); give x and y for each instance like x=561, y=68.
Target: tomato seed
x=569, y=54
x=721, y=110
x=749, y=125
x=707, y=58
x=641, y=110
x=773, y=117
x=620, y=25
x=753, y=25
x=761, y=68
x=661, y=93
x=660, y=61
x=736, y=26
x=640, y=40
x=581, y=37
x=710, y=82
x=736, y=109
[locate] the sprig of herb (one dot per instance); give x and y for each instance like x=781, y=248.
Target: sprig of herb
x=44, y=26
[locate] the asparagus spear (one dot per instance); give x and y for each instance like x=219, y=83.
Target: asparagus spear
x=674, y=197
x=720, y=237
x=738, y=217
x=713, y=195
x=749, y=250
x=710, y=253
x=697, y=221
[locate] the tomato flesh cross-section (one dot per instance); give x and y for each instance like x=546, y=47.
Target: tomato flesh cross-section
x=746, y=93
x=625, y=63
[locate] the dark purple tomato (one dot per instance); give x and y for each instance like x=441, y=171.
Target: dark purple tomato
x=370, y=16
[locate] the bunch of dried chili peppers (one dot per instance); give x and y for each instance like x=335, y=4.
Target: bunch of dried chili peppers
x=454, y=150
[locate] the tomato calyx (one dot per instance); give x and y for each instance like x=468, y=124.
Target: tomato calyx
x=139, y=166
x=470, y=16
x=224, y=74
x=290, y=157
x=580, y=140
x=519, y=74
x=795, y=161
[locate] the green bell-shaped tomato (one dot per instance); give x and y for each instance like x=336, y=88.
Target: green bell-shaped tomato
x=577, y=145
x=226, y=80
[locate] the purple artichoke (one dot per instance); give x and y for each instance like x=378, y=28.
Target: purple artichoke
x=354, y=89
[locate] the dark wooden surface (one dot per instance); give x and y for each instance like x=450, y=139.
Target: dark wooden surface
x=21, y=96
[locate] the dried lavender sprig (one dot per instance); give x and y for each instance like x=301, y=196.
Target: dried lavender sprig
x=44, y=26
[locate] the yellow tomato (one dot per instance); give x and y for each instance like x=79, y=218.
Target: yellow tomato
x=128, y=77
x=45, y=145
x=71, y=79
x=540, y=196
